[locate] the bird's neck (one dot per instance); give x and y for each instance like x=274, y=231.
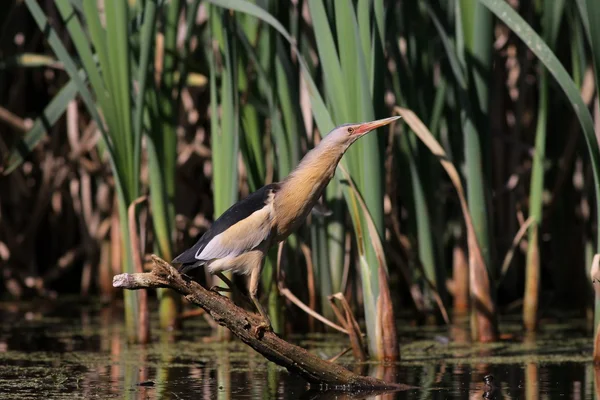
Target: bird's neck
x=314, y=171
x=302, y=188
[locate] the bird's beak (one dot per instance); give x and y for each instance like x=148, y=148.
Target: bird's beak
x=369, y=126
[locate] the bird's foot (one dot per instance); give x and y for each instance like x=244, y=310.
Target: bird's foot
x=265, y=325
x=261, y=328
x=218, y=289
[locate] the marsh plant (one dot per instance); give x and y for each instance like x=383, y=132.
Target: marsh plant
x=143, y=121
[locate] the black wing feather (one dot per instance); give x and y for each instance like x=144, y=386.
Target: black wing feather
x=236, y=213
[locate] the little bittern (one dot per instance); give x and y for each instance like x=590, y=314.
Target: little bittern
x=239, y=239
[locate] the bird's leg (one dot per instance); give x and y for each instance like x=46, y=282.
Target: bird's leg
x=253, y=289
x=266, y=324
x=229, y=288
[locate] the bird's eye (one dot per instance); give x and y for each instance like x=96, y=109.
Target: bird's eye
x=351, y=130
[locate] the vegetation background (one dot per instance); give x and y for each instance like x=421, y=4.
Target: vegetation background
x=127, y=127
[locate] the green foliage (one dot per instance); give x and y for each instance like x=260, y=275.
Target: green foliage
x=112, y=89
x=280, y=76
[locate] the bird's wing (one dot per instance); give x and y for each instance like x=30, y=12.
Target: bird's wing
x=242, y=227
x=240, y=237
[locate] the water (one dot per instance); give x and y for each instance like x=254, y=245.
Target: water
x=72, y=350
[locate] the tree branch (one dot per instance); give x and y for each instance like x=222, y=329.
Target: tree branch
x=243, y=325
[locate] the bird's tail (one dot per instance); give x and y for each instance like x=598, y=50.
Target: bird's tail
x=187, y=267
x=187, y=261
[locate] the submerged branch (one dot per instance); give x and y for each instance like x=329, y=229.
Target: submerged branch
x=243, y=324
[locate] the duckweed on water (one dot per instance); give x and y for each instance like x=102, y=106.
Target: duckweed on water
x=84, y=355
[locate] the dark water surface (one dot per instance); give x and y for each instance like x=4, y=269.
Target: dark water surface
x=77, y=350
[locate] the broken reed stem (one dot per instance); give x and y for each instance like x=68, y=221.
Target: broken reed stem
x=349, y=322
x=243, y=324
x=460, y=280
x=136, y=251
x=310, y=278
x=285, y=292
x=513, y=247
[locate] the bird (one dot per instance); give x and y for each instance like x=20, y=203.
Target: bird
x=239, y=239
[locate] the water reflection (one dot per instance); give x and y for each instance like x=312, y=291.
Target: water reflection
x=80, y=350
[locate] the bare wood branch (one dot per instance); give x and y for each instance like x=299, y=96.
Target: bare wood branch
x=243, y=325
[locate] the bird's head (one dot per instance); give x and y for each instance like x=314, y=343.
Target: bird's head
x=345, y=135
x=319, y=164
